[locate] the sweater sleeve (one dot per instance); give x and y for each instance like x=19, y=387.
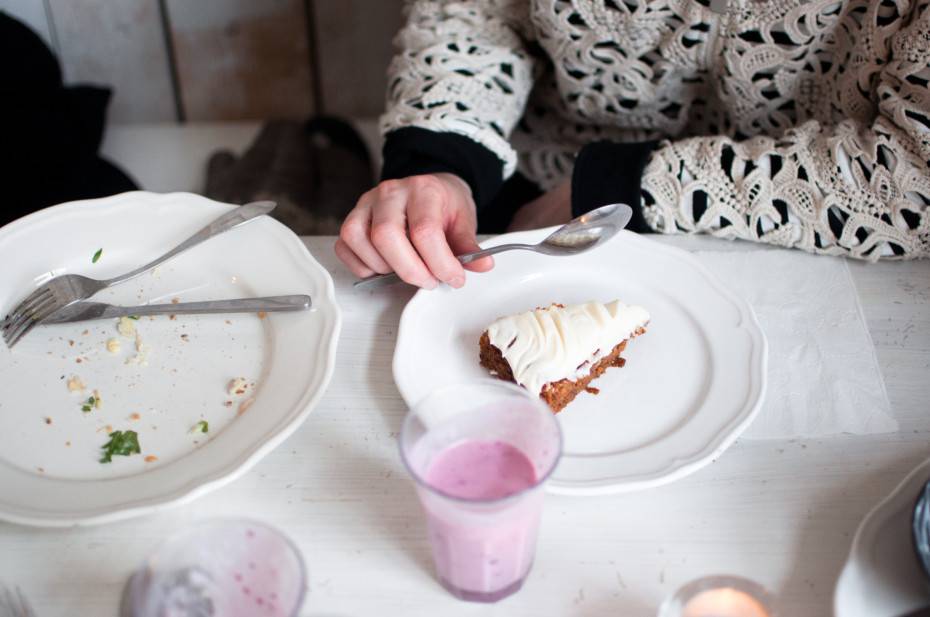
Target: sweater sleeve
x=860, y=189
x=462, y=68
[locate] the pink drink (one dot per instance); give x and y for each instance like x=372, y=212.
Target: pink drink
x=479, y=453
x=476, y=469
x=485, y=562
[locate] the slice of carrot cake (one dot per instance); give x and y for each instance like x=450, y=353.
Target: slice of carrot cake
x=557, y=351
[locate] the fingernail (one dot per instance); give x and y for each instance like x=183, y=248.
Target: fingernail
x=430, y=284
x=457, y=281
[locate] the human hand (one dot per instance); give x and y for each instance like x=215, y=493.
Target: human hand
x=552, y=208
x=415, y=227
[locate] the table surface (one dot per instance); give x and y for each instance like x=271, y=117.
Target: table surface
x=780, y=512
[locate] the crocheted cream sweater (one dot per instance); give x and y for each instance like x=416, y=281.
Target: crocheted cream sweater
x=779, y=117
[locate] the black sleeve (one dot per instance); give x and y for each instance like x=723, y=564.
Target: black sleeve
x=413, y=151
x=609, y=172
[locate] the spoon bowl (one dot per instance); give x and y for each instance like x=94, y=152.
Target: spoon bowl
x=577, y=236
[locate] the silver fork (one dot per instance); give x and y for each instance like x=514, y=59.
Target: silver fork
x=61, y=291
x=87, y=311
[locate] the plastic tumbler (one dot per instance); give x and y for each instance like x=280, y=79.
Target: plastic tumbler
x=479, y=454
x=225, y=567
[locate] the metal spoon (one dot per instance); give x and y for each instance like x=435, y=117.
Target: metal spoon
x=576, y=236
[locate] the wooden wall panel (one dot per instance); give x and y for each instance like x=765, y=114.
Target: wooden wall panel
x=32, y=13
x=354, y=44
x=242, y=59
x=119, y=44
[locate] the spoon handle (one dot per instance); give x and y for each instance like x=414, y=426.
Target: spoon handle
x=380, y=280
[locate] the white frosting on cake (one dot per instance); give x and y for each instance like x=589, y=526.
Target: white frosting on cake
x=556, y=343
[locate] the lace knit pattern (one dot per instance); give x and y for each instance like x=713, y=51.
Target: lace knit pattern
x=800, y=123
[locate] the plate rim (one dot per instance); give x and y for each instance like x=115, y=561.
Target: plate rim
x=679, y=466
x=886, y=503
x=237, y=467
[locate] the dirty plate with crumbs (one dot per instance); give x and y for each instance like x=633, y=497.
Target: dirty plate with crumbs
x=102, y=420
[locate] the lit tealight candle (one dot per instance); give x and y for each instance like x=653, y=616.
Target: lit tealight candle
x=726, y=602
x=719, y=596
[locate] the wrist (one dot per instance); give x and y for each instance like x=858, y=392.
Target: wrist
x=608, y=172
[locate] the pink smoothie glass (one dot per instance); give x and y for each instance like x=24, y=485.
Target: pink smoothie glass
x=480, y=453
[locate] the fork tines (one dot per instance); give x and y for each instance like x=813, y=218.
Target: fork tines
x=36, y=307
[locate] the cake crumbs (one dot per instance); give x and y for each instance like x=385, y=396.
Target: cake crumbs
x=237, y=386
x=227, y=404
x=135, y=416
x=68, y=444
x=151, y=458
x=76, y=385
x=262, y=314
x=114, y=345
x=126, y=327
x=70, y=343
x=175, y=300
x=40, y=469
x=48, y=420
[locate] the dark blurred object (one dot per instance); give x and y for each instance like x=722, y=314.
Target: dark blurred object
x=315, y=171
x=921, y=529
x=50, y=132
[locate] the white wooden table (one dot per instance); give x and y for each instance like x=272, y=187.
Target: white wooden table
x=780, y=512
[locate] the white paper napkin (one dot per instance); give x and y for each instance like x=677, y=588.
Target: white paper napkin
x=823, y=376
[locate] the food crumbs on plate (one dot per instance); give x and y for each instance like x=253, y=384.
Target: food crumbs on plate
x=75, y=384
x=237, y=386
x=151, y=458
x=85, y=332
x=175, y=300
x=48, y=420
x=78, y=360
x=126, y=327
x=244, y=406
x=184, y=338
x=135, y=416
x=70, y=343
x=98, y=402
x=227, y=404
x=96, y=256
x=262, y=314
x=68, y=444
x=201, y=427
x=141, y=357
x=122, y=443
x=229, y=323
x=114, y=345
x=40, y=469
x=172, y=317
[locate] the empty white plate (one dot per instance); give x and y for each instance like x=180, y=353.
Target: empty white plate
x=50, y=448
x=691, y=384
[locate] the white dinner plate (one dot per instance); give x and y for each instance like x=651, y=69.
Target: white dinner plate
x=691, y=384
x=882, y=576
x=50, y=448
